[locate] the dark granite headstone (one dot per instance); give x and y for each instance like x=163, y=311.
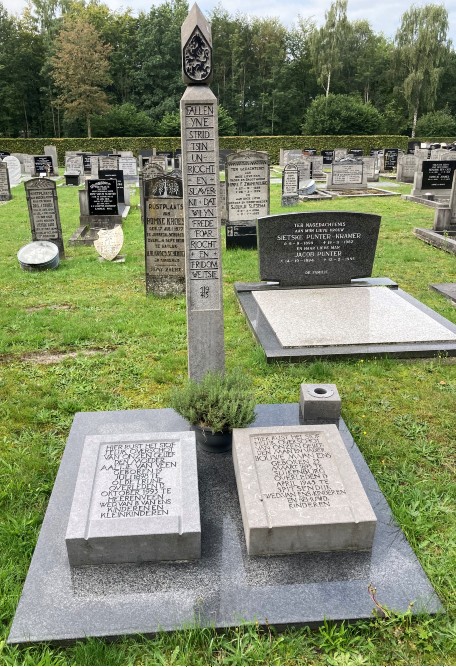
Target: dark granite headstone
x=390, y=156
x=72, y=178
x=5, y=189
x=102, y=197
x=327, y=248
x=43, y=165
x=118, y=176
x=411, y=147
x=328, y=156
x=438, y=174
x=4, y=154
x=357, y=152
x=241, y=236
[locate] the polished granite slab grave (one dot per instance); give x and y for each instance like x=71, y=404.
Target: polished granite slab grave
x=225, y=587
x=352, y=320
x=447, y=290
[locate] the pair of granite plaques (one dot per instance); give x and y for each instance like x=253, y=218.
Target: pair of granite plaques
x=136, y=497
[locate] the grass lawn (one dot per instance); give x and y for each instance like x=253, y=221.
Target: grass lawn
x=85, y=338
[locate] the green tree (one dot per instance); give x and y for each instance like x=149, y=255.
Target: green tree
x=436, y=123
x=123, y=120
x=81, y=71
x=422, y=48
x=341, y=114
x=328, y=43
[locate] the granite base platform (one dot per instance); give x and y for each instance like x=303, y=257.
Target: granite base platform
x=369, y=317
x=448, y=290
x=445, y=240
x=225, y=587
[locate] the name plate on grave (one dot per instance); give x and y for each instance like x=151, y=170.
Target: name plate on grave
x=299, y=491
x=343, y=174
x=43, y=164
x=438, y=175
x=247, y=177
x=102, y=196
x=136, y=500
x=326, y=248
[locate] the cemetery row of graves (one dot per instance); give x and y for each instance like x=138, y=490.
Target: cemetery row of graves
x=118, y=196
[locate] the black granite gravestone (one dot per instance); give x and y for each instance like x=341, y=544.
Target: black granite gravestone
x=102, y=196
x=328, y=156
x=357, y=152
x=390, y=156
x=438, y=174
x=241, y=236
x=4, y=154
x=43, y=164
x=86, y=162
x=318, y=248
x=116, y=175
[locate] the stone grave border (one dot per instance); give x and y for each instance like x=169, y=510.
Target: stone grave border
x=444, y=240
x=274, y=351
x=224, y=588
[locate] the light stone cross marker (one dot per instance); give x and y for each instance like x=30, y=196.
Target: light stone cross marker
x=200, y=175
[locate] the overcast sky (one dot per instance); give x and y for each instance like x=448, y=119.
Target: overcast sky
x=384, y=16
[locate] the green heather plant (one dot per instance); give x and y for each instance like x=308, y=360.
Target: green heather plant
x=220, y=401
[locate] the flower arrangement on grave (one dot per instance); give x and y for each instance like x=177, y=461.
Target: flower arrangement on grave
x=214, y=406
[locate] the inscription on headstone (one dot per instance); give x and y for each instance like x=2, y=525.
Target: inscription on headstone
x=136, y=499
x=318, y=248
x=128, y=166
x=290, y=184
x=247, y=178
x=390, y=156
x=102, y=197
x=438, y=175
x=43, y=209
x=328, y=156
x=116, y=175
x=347, y=175
x=110, y=162
x=5, y=190
x=299, y=491
x=164, y=236
x=200, y=170
x=43, y=165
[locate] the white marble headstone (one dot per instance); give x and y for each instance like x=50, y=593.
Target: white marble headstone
x=14, y=169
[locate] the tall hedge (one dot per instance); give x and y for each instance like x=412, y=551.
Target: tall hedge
x=267, y=143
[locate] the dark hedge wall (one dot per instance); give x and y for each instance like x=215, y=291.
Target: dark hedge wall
x=266, y=143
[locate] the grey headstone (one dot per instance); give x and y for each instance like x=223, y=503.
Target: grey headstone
x=108, y=162
x=317, y=248
x=14, y=169
x=129, y=167
x=52, y=151
x=43, y=206
x=247, y=186
x=136, y=500
x=5, y=189
x=164, y=236
x=74, y=163
x=300, y=492
x=290, y=183
x=347, y=175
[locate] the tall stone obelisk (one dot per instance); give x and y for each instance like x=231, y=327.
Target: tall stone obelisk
x=200, y=175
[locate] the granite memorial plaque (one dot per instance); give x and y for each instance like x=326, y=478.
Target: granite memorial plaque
x=87, y=162
x=164, y=237
x=299, y=491
x=102, y=197
x=41, y=194
x=438, y=175
x=390, y=156
x=317, y=248
x=116, y=175
x=74, y=163
x=136, y=500
x=43, y=165
x=247, y=178
x=200, y=172
x=241, y=236
x=290, y=185
x=328, y=156
x=4, y=154
x=129, y=167
x=5, y=189
x=347, y=176
x=109, y=242
x=356, y=152
x=108, y=162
